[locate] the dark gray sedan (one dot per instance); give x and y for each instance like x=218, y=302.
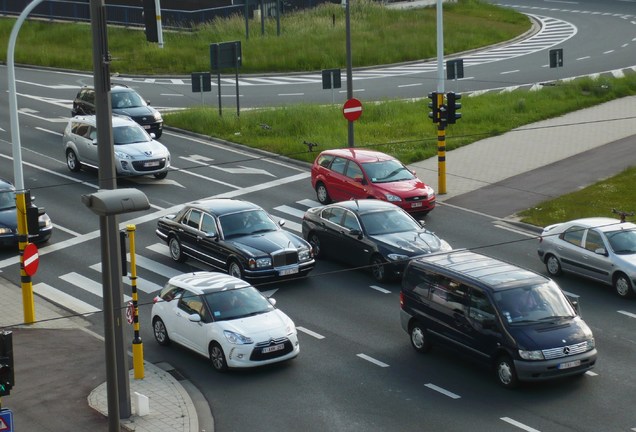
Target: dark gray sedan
x=600, y=248
x=369, y=233
x=237, y=237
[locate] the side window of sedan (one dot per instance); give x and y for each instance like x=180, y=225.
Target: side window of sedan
x=351, y=221
x=208, y=226
x=354, y=171
x=333, y=215
x=574, y=235
x=193, y=219
x=593, y=241
x=338, y=165
x=191, y=303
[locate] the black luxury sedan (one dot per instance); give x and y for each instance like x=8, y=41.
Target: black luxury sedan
x=369, y=233
x=9, y=219
x=237, y=237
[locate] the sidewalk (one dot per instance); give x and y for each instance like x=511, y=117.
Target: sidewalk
x=521, y=168
x=59, y=362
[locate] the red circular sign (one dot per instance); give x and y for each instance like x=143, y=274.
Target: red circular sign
x=352, y=109
x=31, y=259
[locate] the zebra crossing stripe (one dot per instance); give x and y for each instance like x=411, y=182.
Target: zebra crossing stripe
x=142, y=284
x=87, y=284
x=61, y=298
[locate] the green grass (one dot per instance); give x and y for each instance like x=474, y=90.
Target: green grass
x=310, y=40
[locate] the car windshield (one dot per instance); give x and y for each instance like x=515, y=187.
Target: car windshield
x=539, y=303
x=622, y=242
x=237, y=303
x=127, y=99
x=246, y=223
x=387, y=171
x=123, y=135
x=7, y=199
x=388, y=221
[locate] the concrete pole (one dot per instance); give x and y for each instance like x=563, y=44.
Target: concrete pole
x=118, y=386
x=349, y=68
x=159, y=28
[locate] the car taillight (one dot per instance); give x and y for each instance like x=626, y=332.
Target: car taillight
x=401, y=299
x=156, y=299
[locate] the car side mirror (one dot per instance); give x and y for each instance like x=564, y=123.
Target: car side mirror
x=272, y=301
x=212, y=235
x=600, y=251
x=94, y=141
x=195, y=317
x=153, y=135
x=356, y=233
x=281, y=222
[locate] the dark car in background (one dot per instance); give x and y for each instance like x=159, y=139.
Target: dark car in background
x=124, y=101
x=9, y=219
x=369, y=233
x=343, y=174
x=237, y=237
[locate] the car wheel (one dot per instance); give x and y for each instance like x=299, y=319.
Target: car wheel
x=419, y=339
x=176, y=253
x=72, y=162
x=314, y=241
x=505, y=372
x=553, y=265
x=378, y=268
x=217, y=356
x=235, y=269
x=161, y=175
x=161, y=333
x=623, y=286
x=322, y=194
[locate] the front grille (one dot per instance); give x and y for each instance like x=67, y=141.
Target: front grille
x=284, y=258
x=565, y=351
x=258, y=355
x=417, y=198
x=139, y=165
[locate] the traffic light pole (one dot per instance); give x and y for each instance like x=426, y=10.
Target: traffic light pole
x=349, y=68
x=441, y=133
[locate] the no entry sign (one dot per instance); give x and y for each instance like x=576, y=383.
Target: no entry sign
x=31, y=259
x=352, y=109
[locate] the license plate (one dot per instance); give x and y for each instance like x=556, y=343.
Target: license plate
x=568, y=365
x=416, y=204
x=151, y=164
x=288, y=271
x=273, y=348
x=146, y=126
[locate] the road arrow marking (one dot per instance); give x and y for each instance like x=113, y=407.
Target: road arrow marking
x=240, y=170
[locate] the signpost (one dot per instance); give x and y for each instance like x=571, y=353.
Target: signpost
x=352, y=109
x=6, y=420
x=31, y=259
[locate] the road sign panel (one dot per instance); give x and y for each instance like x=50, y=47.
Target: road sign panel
x=6, y=420
x=352, y=109
x=31, y=259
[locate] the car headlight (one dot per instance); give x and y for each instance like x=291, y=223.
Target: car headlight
x=397, y=257
x=236, y=338
x=263, y=262
x=122, y=155
x=304, y=254
x=5, y=230
x=158, y=116
x=45, y=221
x=591, y=344
x=531, y=355
x=392, y=198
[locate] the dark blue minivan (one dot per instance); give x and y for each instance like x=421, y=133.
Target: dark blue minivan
x=516, y=320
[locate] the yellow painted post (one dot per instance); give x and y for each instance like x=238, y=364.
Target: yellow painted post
x=28, y=304
x=441, y=146
x=137, y=345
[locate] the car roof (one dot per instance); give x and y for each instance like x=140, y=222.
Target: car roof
x=360, y=155
x=204, y=282
x=117, y=120
x=496, y=274
x=221, y=206
x=365, y=205
x=603, y=224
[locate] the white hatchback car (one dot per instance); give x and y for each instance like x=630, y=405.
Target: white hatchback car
x=136, y=152
x=225, y=319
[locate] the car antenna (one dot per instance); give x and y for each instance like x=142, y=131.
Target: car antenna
x=622, y=214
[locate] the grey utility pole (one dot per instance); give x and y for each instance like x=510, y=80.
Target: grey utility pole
x=117, y=382
x=349, y=66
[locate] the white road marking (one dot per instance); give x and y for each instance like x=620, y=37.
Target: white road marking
x=442, y=391
x=519, y=425
x=310, y=333
x=86, y=284
x=63, y=299
x=629, y=314
x=372, y=360
x=382, y=290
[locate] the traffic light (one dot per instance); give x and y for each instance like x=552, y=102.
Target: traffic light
x=434, y=106
x=150, y=20
x=6, y=363
x=452, y=106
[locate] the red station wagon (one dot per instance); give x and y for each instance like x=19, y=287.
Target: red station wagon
x=343, y=174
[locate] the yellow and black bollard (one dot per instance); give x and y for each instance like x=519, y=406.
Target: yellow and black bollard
x=137, y=345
